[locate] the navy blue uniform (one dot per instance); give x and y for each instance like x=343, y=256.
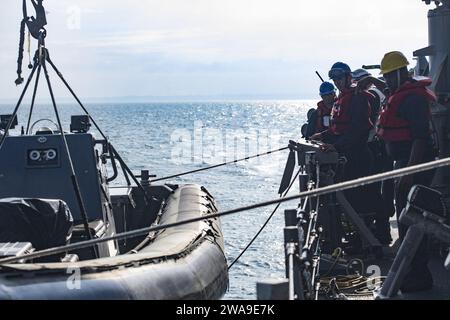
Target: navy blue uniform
x=414, y=109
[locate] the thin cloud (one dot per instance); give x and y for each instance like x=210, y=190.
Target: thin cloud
x=201, y=46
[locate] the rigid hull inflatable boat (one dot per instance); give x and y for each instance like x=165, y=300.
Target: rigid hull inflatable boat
x=66, y=233
x=183, y=262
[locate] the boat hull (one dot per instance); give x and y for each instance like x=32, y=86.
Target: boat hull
x=185, y=262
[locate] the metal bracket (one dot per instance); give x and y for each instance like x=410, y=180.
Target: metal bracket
x=364, y=231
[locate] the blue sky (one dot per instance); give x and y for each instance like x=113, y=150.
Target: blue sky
x=227, y=48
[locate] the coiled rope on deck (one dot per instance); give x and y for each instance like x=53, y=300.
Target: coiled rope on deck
x=350, y=286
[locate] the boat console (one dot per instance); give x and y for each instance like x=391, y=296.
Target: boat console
x=36, y=166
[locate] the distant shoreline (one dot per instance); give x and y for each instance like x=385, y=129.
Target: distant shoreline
x=160, y=100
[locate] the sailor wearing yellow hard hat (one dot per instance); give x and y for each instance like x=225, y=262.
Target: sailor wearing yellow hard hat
x=404, y=124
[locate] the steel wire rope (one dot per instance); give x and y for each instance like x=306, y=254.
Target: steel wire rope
x=310, y=193
x=219, y=165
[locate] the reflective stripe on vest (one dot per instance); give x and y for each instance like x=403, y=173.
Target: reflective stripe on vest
x=323, y=117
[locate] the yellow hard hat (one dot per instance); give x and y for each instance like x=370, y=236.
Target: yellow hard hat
x=393, y=61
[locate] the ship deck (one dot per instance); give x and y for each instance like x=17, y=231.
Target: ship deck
x=441, y=276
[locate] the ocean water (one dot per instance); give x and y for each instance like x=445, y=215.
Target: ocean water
x=170, y=138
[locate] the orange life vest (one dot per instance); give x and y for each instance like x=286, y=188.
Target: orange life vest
x=392, y=128
x=323, y=117
x=340, y=114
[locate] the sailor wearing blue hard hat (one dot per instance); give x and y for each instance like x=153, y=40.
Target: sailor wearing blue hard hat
x=327, y=92
x=350, y=115
x=349, y=132
x=319, y=118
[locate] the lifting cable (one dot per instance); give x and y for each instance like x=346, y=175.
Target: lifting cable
x=219, y=165
x=310, y=193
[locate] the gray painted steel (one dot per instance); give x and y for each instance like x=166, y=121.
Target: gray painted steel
x=50, y=179
x=438, y=52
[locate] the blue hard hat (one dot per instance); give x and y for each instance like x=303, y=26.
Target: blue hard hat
x=327, y=88
x=339, y=70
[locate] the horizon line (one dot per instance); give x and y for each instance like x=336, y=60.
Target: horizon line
x=155, y=99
